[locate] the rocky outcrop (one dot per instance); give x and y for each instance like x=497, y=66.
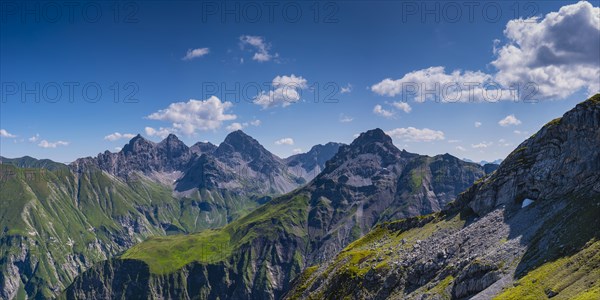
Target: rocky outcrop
x=561, y=156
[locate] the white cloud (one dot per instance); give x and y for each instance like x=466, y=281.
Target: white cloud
x=477, y=124
x=559, y=52
x=46, y=144
x=416, y=135
x=189, y=117
x=509, y=120
x=550, y=57
x=435, y=84
x=482, y=145
x=193, y=53
x=34, y=138
x=345, y=119
x=234, y=126
x=260, y=45
x=118, y=149
x=117, y=136
x=460, y=148
x=6, y=134
x=161, y=132
x=402, y=106
x=286, y=90
x=297, y=150
x=346, y=89
x=378, y=110
x=237, y=126
x=285, y=141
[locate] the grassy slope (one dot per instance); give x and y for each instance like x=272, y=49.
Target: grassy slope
x=60, y=215
x=168, y=254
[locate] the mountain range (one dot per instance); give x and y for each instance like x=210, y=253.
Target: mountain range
x=57, y=220
x=360, y=221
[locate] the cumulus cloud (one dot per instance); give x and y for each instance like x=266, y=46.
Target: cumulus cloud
x=412, y=134
x=379, y=110
x=297, y=150
x=117, y=136
x=6, y=134
x=194, y=53
x=346, y=89
x=234, y=126
x=261, y=47
x=285, y=91
x=509, y=120
x=402, y=106
x=436, y=84
x=477, y=124
x=460, y=148
x=34, y=138
x=543, y=58
x=559, y=52
x=46, y=144
x=285, y=141
x=237, y=126
x=189, y=117
x=161, y=132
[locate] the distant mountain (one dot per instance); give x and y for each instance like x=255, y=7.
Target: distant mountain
x=143, y=156
x=485, y=162
x=308, y=165
x=529, y=230
x=239, y=165
x=30, y=162
x=200, y=148
x=257, y=256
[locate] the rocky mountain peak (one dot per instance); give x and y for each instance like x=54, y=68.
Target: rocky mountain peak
x=172, y=142
x=372, y=136
x=239, y=142
x=137, y=144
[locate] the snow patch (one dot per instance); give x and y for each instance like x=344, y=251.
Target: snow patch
x=527, y=202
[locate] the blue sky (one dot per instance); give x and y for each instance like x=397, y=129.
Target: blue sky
x=161, y=55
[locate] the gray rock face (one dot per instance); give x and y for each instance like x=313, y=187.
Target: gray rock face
x=239, y=165
x=561, y=156
x=142, y=155
x=371, y=181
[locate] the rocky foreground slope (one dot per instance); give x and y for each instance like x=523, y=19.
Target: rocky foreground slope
x=527, y=231
x=257, y=256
